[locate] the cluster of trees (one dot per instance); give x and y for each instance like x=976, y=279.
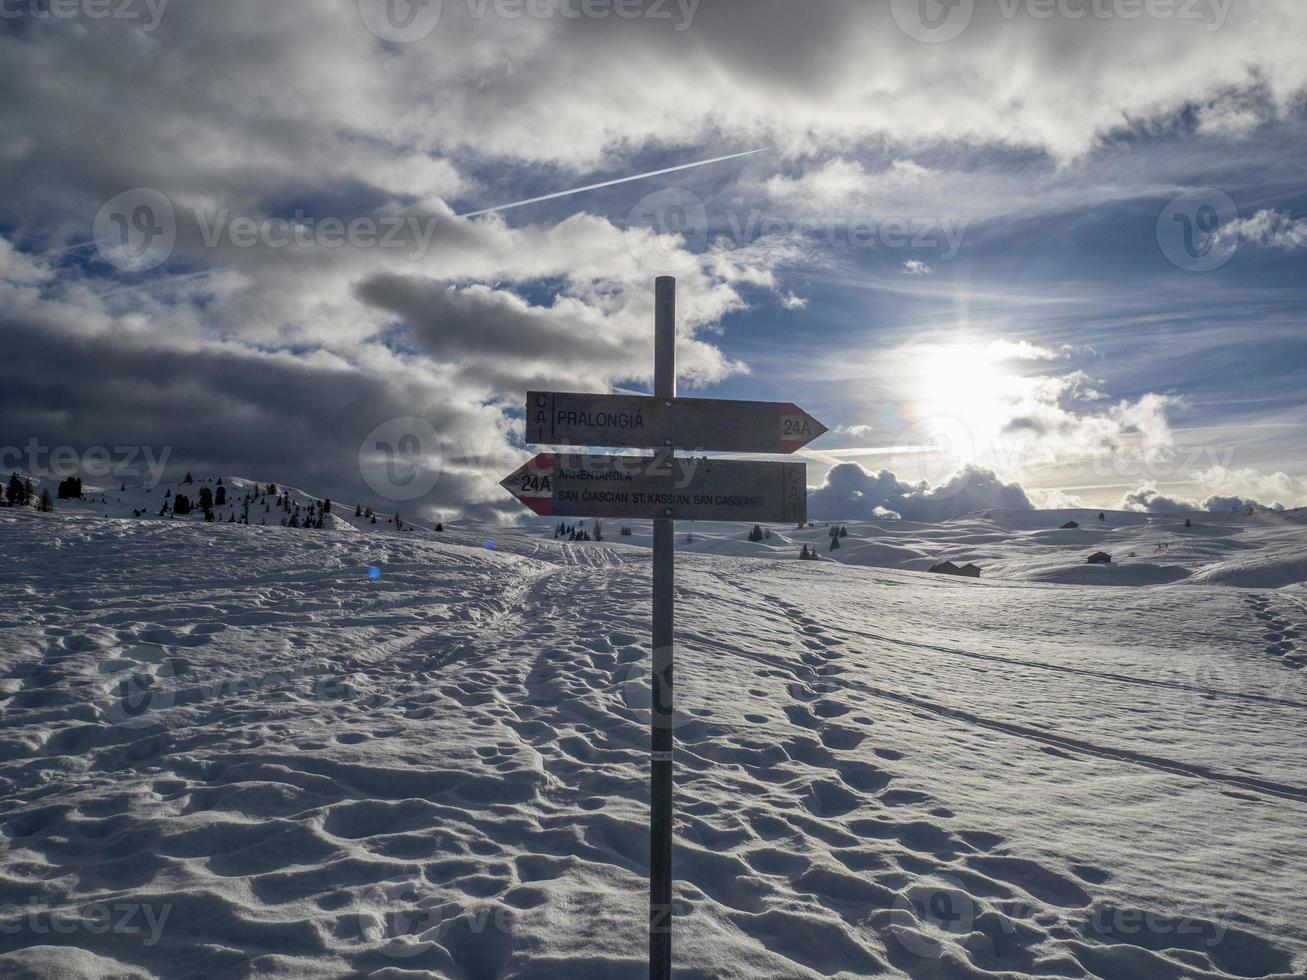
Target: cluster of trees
x=808, y=554
x=71, y=488
x=758, y=533
x=209, y=498
x=572, y=533
x=21, y=493
x=369, y=514
x=208, y=501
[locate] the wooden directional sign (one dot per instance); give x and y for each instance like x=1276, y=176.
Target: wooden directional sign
x=634, y=487
x=561, y=418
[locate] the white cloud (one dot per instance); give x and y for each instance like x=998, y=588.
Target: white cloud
x=1148, y=499
x=1266, y=228
x=917, y=269
x=851, y=492
x=1237, y=482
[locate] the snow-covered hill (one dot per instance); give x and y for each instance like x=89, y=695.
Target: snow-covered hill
x=232, y=750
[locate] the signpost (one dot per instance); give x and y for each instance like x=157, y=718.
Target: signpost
x=664, y=487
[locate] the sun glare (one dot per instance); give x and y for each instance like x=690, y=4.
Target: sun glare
x=969, y=383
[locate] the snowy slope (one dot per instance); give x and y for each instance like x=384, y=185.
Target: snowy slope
x=283, y=767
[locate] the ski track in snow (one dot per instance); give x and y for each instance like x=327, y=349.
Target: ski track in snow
x=444, y=773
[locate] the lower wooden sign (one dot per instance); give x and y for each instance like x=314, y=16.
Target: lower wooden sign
x=635, y=487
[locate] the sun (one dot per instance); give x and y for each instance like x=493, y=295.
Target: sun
x=970, y=385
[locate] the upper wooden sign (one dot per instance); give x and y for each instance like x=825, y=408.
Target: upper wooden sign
x=646, y=422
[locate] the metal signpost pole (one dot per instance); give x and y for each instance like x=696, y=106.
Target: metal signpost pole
x=664, y=559
x=663, y=488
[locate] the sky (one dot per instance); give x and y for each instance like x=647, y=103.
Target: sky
x=1012, y=253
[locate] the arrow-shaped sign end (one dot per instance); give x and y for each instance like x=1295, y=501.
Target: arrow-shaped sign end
x=532, y=484
x=798, y=428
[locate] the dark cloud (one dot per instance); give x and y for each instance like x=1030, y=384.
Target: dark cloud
x=219, y=409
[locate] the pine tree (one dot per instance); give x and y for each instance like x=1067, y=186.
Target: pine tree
x=756, y=533
x=844, y=531
x=15, y=493
x=440, y=527
x=326, y=506
x=803, y=555
x=358, y=510
x=189, y=479
x=834, y=542
x=220, y=498
x=206, y=499
x=47, y=505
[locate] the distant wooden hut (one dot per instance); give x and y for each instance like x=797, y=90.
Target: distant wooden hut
x=1069, y=526
x=1100, y=558
x=948, y=568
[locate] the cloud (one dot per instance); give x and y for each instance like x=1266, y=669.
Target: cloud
x=1003, y=349
x=1267, y=228
x=1245, y=482
x=502, y=341
x=1149, y=500
x=917, y=269
x=851, y=492
x=1055, y=500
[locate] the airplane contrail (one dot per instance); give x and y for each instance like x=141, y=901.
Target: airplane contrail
x=608, y=183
